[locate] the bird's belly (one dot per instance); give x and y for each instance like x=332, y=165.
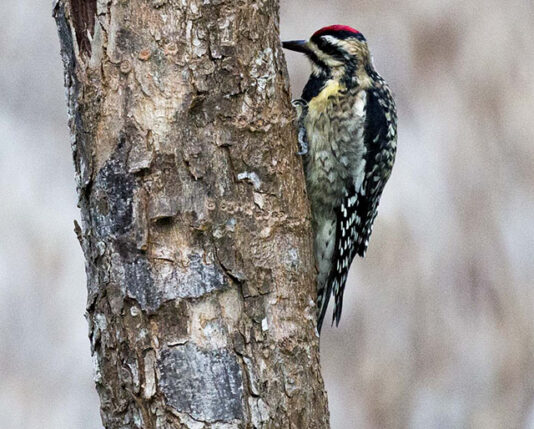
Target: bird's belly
x=336, y=151
x=323, y=179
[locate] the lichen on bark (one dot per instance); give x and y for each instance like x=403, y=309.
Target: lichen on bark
x=194, y=219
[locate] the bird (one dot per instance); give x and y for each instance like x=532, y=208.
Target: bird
x=347, y=136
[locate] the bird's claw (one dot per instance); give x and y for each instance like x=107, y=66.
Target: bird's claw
x=301, y=106
x=303, y=144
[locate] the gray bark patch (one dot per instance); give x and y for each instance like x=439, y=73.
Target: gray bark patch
x=200, y=279
x=206, y=384
x=140, y=285
x=82, y=155
x=67, y=46
x=113, y=199
x=152, y=285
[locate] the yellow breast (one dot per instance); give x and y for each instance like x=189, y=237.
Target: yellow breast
x=319, y=102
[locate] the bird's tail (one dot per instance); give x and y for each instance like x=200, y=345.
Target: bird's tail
x=334, y=286
x=323, y=298
x=338, y=290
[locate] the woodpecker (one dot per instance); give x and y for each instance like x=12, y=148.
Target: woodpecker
x=347, y=136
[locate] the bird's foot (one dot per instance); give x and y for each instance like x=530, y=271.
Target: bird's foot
x=301, y=107
x=303, y=144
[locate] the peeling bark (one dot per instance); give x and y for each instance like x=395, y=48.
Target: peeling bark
x=194, y=219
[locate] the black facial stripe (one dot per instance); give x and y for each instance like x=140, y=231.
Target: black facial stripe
x=350, y=71
x=311, y=55
x=314, y=86
x=338, y=53
x=331, y=50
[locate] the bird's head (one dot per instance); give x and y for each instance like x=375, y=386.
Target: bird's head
x=336, y=50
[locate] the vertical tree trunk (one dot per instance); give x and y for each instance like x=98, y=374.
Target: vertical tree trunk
x=195, y=223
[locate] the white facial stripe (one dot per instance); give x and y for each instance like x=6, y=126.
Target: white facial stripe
x=331, y=39
x=316, y=70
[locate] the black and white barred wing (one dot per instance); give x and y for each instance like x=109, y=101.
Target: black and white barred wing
x=359, y=208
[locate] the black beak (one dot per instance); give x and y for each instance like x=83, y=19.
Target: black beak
x=297, y=45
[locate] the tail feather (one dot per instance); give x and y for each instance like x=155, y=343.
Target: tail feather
x=338, y=299
x=334, y=286
x=323, y=298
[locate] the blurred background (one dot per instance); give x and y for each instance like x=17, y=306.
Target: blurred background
x=438, y=325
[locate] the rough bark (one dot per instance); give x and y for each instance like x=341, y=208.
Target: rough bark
x=194, y=220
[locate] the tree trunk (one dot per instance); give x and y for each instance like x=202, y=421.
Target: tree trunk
x=195, y=223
